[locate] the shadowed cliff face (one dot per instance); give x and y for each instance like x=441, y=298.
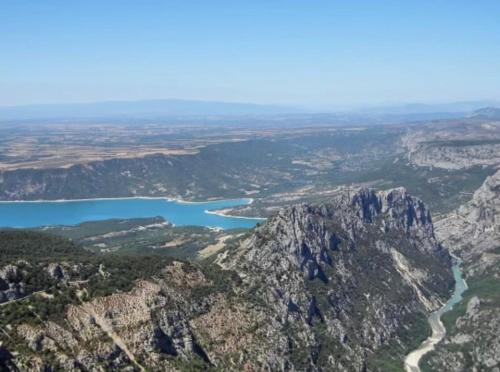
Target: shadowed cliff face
x=321, y=287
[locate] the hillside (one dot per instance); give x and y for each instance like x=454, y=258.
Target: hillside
x=344, y=285
x=492, y=113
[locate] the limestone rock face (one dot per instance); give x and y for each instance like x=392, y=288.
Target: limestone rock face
x=369, y=253
x=11, y=283
x=454, y=157
x=485, y=205
x=475, y=227
x=465, y=144
x=56, y=272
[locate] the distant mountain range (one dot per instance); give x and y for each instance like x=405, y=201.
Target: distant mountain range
x=139, y=109
x=492, y=113
x=424, y=108
x=186, y=109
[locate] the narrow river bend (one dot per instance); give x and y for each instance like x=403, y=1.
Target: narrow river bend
x=412, y=360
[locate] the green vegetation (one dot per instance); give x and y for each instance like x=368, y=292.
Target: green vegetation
x=25, y=248
x=390, y=357
x=442, y=190
x=101, y=275
x=221, y=170
x=37, y=308
x=486, y=288
x=96, y=228
x=21, y=244
x=139, y=237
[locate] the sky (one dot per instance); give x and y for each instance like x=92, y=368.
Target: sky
x=305, y=53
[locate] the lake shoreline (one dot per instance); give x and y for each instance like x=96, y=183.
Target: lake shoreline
x=180, y=201
x=214, y=212
x=37, y=213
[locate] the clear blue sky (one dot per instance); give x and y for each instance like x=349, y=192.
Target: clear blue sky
x=300, y=52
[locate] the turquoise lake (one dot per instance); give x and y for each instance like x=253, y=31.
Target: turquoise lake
x=42, y=213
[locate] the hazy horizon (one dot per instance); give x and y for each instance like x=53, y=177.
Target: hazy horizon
x=304, y=107
x=175, y=108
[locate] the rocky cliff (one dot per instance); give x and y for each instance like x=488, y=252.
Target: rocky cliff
x=473, y=232
x=459, y=144
x=451, y=156
x=474, y=228
x=348, y=276
x=345, y=285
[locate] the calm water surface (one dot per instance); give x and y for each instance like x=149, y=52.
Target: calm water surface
x=34, y=214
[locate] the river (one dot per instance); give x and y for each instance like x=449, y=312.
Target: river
x=412, y=360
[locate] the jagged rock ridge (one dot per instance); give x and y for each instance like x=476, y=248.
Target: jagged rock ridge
x=317, y=266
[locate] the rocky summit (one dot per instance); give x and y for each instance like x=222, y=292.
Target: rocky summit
x=345, y=285
x=346, y=279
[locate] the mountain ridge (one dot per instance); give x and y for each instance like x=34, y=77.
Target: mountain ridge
x=142, y=109
x=344, y=285
x=491, y=112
